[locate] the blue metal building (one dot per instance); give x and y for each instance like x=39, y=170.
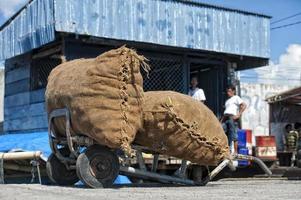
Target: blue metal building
x=180, y=37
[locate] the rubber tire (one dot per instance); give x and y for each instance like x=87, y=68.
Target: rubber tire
x=299, y=163
x=84, y=168
x=57, y=171
x=200, y=175
x=299, y=154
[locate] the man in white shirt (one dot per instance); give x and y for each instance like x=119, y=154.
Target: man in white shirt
x=234, y=107
x=195, y=92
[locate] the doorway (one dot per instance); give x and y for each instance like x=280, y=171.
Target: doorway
x=212, y=78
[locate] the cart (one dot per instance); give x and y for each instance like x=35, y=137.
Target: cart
x=78, y=157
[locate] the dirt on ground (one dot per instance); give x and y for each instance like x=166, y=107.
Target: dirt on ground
x=224, y=189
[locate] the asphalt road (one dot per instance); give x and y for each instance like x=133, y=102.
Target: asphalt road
x=241, y=189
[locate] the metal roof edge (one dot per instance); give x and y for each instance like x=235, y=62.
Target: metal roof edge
x=197, y=2
x=9, y=20
x=283, y=95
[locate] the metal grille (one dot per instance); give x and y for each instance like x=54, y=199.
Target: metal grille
x=165, y=74
x=40, y=70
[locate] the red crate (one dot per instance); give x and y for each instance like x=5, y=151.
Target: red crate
x=249, y=140
x=266, y=147
x=265, y=141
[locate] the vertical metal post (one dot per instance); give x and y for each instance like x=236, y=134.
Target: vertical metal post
x=1, y=168
x=186, y=74
x=140, y=160
x=155, y=162
x=35, y=169
x=68, y=134
x=181, y=172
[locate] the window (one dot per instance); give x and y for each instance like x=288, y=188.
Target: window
x=40, y=70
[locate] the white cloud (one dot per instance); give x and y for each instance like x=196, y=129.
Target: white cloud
x=285, y=71
x=9, y=7
x=292, y=58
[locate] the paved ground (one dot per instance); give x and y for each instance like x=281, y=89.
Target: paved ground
x=241, y=189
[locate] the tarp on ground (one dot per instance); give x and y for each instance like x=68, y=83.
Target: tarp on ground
x=36, y=141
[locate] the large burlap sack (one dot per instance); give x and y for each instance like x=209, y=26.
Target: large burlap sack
x=177, y=125
x=104, y=96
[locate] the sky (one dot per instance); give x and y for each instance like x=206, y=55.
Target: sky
x=277, y=9
x=285, y=42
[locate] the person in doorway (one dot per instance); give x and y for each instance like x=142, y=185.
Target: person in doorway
x=234, y=107
x=195, y=92
x=292, y=138
x=288, y=128
x=297, y=127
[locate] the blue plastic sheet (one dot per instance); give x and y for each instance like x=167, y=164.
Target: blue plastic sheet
x=37, y=141
x=243, y=151
x=242, y=138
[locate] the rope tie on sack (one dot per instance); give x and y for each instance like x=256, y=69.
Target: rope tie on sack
x=123, y=77
x=191, y=130
x=130, y=61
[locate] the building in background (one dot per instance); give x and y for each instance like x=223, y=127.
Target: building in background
x=180, y=38
x=256, y=117
x=284, y=108
x=1, y=96
x=261, y=83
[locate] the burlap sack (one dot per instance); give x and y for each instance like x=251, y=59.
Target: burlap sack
x=179, y=126
x=104, y=96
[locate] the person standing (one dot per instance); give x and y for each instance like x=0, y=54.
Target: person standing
x=234, y=107
x=292, y=143
x=288, y=128
x=195, y=92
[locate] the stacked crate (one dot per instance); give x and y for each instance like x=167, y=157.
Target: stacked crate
x=244, y=144
x=266, y=147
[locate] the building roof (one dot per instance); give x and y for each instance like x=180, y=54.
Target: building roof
x=292, y=96
x=178, y=23
x=200, y=3
x=196, y=2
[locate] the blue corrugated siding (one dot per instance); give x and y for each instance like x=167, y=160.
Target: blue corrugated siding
x=167, y=23
x=32, y=28
x=163, y=22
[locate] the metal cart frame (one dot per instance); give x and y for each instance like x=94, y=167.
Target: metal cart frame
x=74, y=143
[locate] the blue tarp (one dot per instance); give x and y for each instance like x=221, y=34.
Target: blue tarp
x=37, y=141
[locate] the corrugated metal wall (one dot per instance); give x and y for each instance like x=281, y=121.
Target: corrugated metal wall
x=167, y=23
x=32, y=28
x=164, y=22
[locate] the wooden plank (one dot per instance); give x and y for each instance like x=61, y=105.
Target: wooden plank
x=18, y=62
x=17, y=99
x=17, y=74
x=26, y=123
x=45, y=129
x=75, y=50
x=25, y=98
x=48, y=52
x=24, y=111
x=37, y=96
x=17, y=87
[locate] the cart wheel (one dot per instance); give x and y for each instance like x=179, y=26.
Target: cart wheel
x=299, y=163
x=299, y=154
x=57, y=171
x=200, y=175
x=97, y=167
